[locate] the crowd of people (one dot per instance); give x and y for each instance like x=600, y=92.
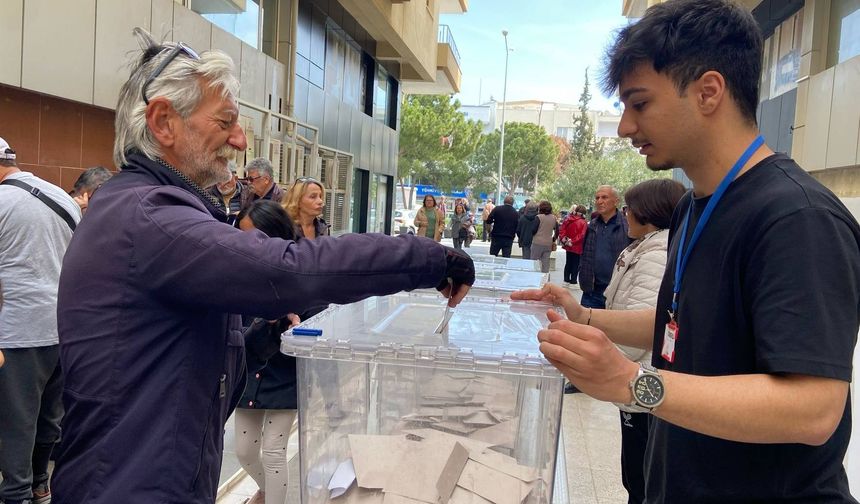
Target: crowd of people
x=151, y=301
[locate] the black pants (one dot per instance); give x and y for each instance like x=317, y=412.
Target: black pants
x=31, y=388
x=571, y=266
x=634, y=439
x=501, y=244
x=485, y=232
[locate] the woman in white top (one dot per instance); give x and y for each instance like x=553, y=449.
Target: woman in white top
x=634, y=285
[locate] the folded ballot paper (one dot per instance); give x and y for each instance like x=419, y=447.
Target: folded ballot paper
x=426, y=466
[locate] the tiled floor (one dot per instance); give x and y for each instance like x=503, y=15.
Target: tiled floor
x=592, y=441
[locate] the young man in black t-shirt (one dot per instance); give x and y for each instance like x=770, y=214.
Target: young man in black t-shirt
x=753, y=334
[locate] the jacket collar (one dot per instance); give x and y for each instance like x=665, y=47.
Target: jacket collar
x=162, y=173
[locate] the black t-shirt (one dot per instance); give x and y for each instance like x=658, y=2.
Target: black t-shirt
x=772, y=286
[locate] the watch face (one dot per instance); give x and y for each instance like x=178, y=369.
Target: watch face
x=648, y=390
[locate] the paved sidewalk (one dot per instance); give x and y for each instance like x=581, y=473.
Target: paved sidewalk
x=592, y=438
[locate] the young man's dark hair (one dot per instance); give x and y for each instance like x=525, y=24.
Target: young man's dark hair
x=683, y=39
x=653, y=201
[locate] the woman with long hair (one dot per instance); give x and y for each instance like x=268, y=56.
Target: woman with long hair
x=304, y=202
x=430, y=219
x=461, y=221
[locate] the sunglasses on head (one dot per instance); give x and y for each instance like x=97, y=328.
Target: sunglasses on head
x=180, y=47
x=304, y=180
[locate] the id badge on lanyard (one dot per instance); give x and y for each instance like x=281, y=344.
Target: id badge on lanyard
x=670, y=334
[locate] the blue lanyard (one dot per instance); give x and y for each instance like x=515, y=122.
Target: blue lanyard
x=684, y=254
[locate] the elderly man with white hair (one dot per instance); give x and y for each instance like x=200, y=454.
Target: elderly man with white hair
x=153, y=359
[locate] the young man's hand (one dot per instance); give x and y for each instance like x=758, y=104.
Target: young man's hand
x=588, y=359
x=558, y=295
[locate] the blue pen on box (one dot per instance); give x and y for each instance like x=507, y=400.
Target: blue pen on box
x=305, y=331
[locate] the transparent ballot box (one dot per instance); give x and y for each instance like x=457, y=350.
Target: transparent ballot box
x=392, y=412
x=503, y=281
x=486, y=260
x=500, y=282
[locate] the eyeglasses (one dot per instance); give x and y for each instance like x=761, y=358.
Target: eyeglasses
x=180, y=47
x=253, y=179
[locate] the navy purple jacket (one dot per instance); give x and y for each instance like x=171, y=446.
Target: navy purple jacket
x=153, y=360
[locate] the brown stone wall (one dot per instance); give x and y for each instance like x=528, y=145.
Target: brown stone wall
x=55, y=139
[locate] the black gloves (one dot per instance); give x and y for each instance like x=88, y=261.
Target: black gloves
x=459, y=269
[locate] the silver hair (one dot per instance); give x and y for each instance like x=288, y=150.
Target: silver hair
x=262, y=166
x=180, y=82
x=611, y=189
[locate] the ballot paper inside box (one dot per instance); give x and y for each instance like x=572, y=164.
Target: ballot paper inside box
x=391, y=412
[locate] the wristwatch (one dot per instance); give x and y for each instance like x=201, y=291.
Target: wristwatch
x=648, y=390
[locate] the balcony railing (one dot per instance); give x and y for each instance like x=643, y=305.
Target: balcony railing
x=445, y=37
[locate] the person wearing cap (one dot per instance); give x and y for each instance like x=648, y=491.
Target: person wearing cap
x=33, y=239
x=153, y=357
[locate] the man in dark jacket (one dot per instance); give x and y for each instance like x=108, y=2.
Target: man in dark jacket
x=605, y=238
x=504, y=219
x=154, y=361
x=260, y=176
x=526, y=229
x=231, y=193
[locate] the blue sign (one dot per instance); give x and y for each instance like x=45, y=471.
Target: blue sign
x=422, y=190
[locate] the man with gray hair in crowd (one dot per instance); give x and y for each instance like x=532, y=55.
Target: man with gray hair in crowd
x=261, y=178
x=605, y=238
x=153, y=359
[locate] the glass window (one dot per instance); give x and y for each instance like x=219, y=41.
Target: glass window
x=781, y=62
x=245, y=25
x=786, y=55
x=844, y=42
x=380, y=99
x=353, y=84
x=334, y=63
x=378, y=204
x=365, y=85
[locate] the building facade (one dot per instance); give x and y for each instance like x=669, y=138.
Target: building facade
x=809, y=108
x=555, y=118
x=321, y=83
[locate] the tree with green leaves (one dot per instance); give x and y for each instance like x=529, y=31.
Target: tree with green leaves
x=436, y=139
x=530, y=156
x=621, y=168
x=585, y=144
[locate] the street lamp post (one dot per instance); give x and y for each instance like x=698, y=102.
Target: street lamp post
x=502, y=143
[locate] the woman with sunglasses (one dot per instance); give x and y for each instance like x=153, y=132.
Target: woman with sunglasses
x=430, y=219
x=267, y=412
x=304, y=203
